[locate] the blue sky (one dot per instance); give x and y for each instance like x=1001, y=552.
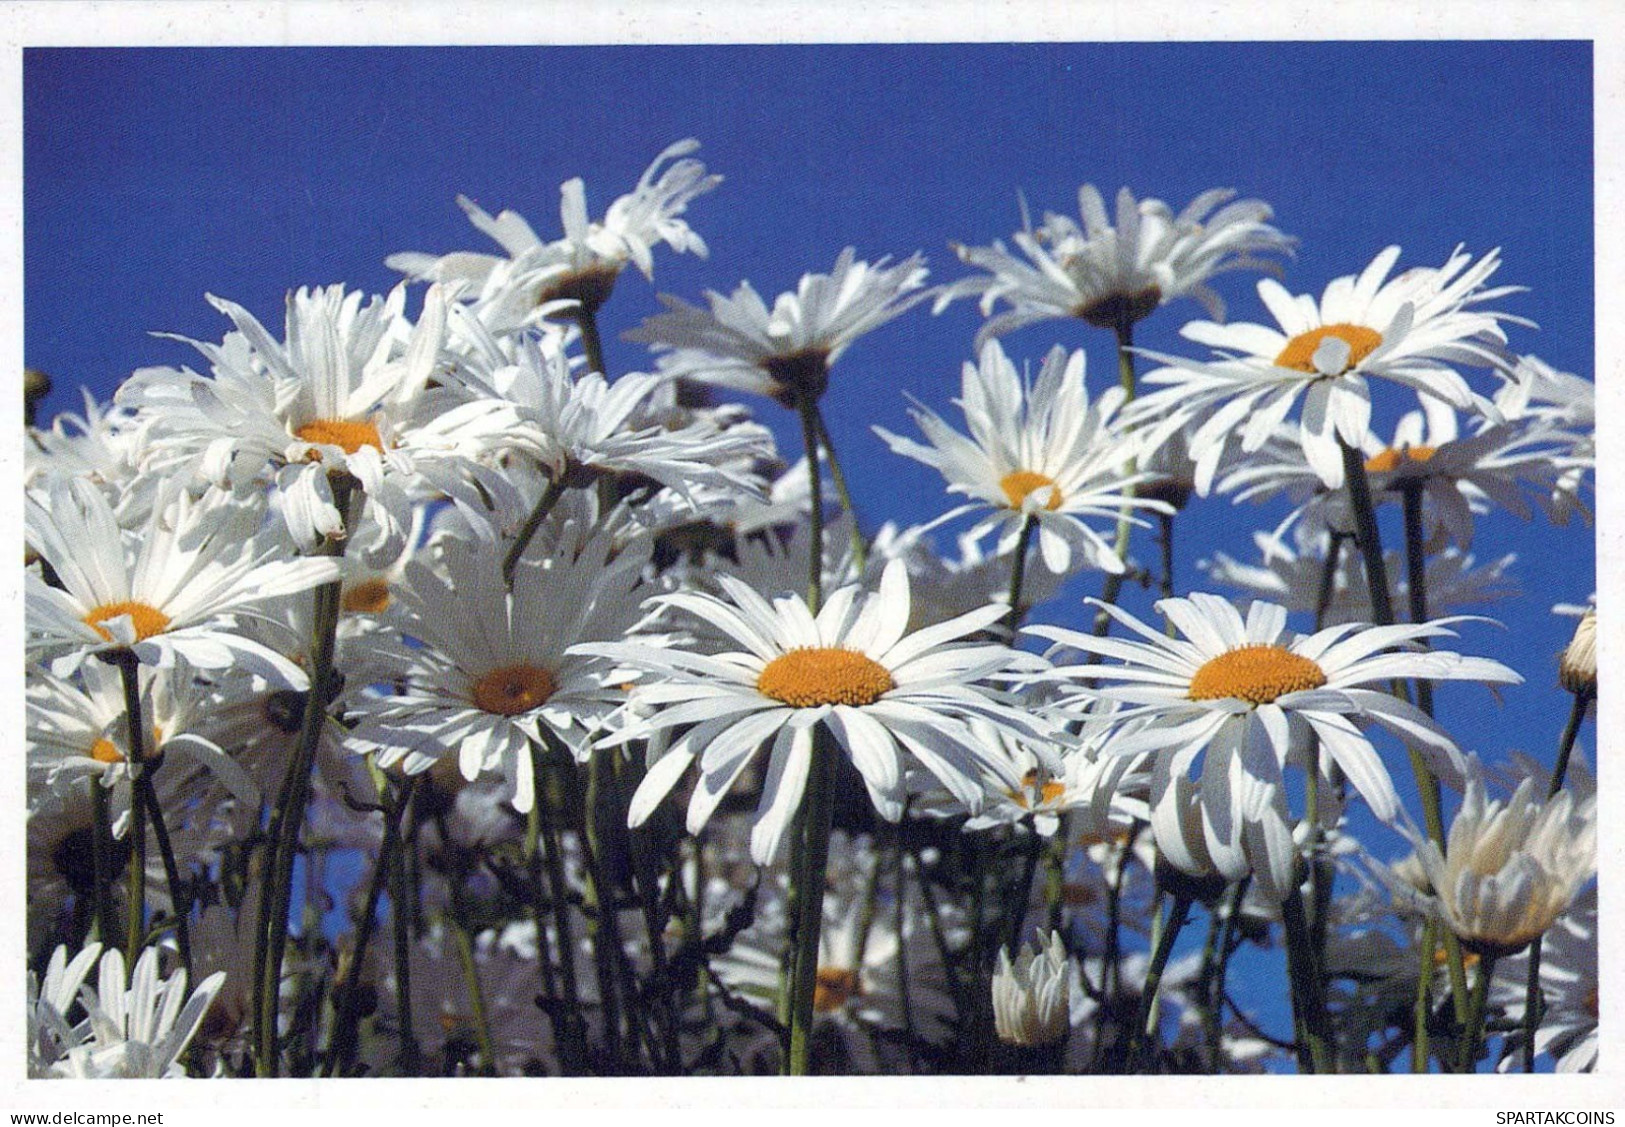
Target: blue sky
x=154, y=176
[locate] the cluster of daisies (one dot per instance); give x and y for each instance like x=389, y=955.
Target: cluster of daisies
x=409, y=695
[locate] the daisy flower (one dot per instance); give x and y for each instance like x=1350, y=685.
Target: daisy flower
x=587, y=424
x=1039, y=451
x=173, y=592
x=137, y=1031
x=1245, y=695
x=1413, y=329
x=348, y=393
x=880, y=693
x=1112, y=276
x=496, y=667
x=50, y=1034
x=784, y=353
x=1510, y=868
x=583, y=265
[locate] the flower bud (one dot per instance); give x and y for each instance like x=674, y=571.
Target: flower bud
x=1032, y=998
x=1577, y=668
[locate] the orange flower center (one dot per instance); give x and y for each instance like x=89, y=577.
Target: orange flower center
x=346, y=435
x=1257, y=674
x=835, y=987
x=1388, y=460
x=514, y=689
x=1018, y=484
x=370, y=596
x=146, y=620
x=1299, y=353
x=816, y=675
x=1049, y=791
x=105, y=751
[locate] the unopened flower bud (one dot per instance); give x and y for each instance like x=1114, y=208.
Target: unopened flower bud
x=1032, y=998
x=1577, y=668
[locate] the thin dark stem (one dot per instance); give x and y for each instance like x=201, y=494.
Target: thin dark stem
x=815, y=552
x=1018, y=572
x=101, y=863
x=1315, y=1045
x=819, y=807
x=400, y=920
x=1142, y=1035
x=345, y=1010
x=180, y=904
x=1534, y=1003
x=135, y=922
x=860, y=545
x=556, y=896
x=1113, y=587
x=544, y=505
x=1472, y=1041
x=591, y=343
x=1165, y=538
x=1367, y=535
x=272, y=937
x=1416, y=574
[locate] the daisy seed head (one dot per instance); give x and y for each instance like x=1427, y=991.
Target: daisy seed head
x=514, y=689
x=824, y=675
x=1577, y=670
x=1257, y=674
x=370, y=596
x=834, y=988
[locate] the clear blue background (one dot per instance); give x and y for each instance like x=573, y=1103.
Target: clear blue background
x=154, y=176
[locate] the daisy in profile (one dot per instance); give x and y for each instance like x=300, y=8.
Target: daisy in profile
x=496, y=666
x=139, y=1030
x=1114, y=275
x=1413, y=329
x=1509, y=869
x=1245, y=694
x=1039, y=451
x=583, y=265
x=784, y=353
x=587, y=425
x=173, y=592
x=886, y=698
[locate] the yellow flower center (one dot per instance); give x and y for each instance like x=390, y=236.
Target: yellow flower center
x=835, y=987
x=146, y=620
x=514, y=689
x=346, y=435
x=105, y=751
x=1049, y=791
x=370, y=596
x=816, y=675
x=1299, y=353
x=1389, y=460
x=1257, y=674
x=1018, y=484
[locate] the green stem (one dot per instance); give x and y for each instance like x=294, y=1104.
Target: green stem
x=272, y=937
x=135, y=930
x=400, y=921
x=1416, y=568
x=101, y=863
x=591, y=343
x=860, y=543
x=476, y=997
x=556, y=896
x=818, y=811
x=1472, y=1041
x=1113, y=587
x=180, y=905
x=345, y=1016
x=1315, y=1045
x=1144, y=1034
x=1534, y=1000
x=1018, y=572
x=808, y=409
x=544, y=505
x=1165, y=539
